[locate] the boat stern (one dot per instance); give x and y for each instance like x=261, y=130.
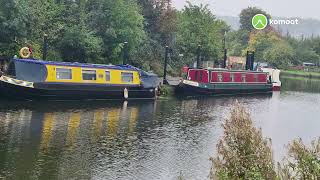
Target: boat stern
x=274, y=76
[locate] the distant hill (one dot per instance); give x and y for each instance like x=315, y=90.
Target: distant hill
x=305, y=28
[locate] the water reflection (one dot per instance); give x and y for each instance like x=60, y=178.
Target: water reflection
x=139, y=140
x=300, y=84
x=40, y=143
x=119, y=140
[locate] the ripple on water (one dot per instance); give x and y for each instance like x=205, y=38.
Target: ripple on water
x=139, y=140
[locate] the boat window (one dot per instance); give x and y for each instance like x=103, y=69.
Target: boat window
x=89, y=75
x=127, y=77
x=107, y=75
x=63, y=73
x=220, y=77
x=200, y=75
x=243, y=77
x=232, y=77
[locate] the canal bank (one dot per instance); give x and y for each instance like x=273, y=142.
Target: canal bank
x=304, y=74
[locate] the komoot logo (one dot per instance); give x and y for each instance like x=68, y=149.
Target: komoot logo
x=260, y=21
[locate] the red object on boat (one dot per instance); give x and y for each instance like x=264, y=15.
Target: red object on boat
x=185, y=69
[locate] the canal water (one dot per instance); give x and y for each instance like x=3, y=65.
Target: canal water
x=143, y=140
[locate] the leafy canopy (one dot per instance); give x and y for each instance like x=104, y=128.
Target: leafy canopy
x=198, y=26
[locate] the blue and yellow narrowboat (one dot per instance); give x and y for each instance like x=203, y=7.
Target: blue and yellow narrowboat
x=37, y=79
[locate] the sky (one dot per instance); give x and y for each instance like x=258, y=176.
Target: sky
x=279, y=8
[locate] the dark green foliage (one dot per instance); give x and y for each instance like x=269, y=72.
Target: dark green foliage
x=81, y=46
x=306, y=50
x=13, y=18
x=160, y=20
x=198, y=26
x=116, y=21
x=237, y=42
x=87, y=31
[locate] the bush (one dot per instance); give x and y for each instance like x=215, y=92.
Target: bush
x=303, y=162
x=242, y=152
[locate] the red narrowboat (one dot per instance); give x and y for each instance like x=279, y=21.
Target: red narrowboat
x=219, y=81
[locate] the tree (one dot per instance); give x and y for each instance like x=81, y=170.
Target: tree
x=13, y=18
x=80, y=45
x=116, y=21
x=237, y=42
x=198, y=26
x=270, y=47
x=160, y=20
x=279, y=55
x=246, y=16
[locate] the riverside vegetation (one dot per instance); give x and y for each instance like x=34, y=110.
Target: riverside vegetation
x=94, y=31
x=243, y=153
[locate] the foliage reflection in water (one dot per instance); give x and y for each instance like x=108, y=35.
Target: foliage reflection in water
x=63, y=140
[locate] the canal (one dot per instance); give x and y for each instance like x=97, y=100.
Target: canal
x=143, y=140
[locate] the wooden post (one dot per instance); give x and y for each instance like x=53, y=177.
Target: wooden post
x=247, y=61
x=45, y=47
x=199, y=56
x=224, y=51
x=251, y=60
x=125, y=53
x=225, y=58
x=166, y=57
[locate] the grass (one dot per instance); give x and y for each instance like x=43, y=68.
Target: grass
x=298, y=73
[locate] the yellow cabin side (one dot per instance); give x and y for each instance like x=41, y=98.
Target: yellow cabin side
x=76, y=76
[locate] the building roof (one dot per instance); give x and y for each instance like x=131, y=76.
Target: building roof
x=236, y=59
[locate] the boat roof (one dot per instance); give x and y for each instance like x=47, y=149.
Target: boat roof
x=85, y=65
x=226, y=70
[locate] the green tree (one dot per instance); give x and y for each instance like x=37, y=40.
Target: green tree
x=160, y=25
x=80, y=45
x=237, y=42
x=279, y=55
x=270, y=47
x=13, y=22
x=116, y=21
x=160, y=20
x=198, y=26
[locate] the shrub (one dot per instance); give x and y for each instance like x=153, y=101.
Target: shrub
x=302, y=162
x=243, y=153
